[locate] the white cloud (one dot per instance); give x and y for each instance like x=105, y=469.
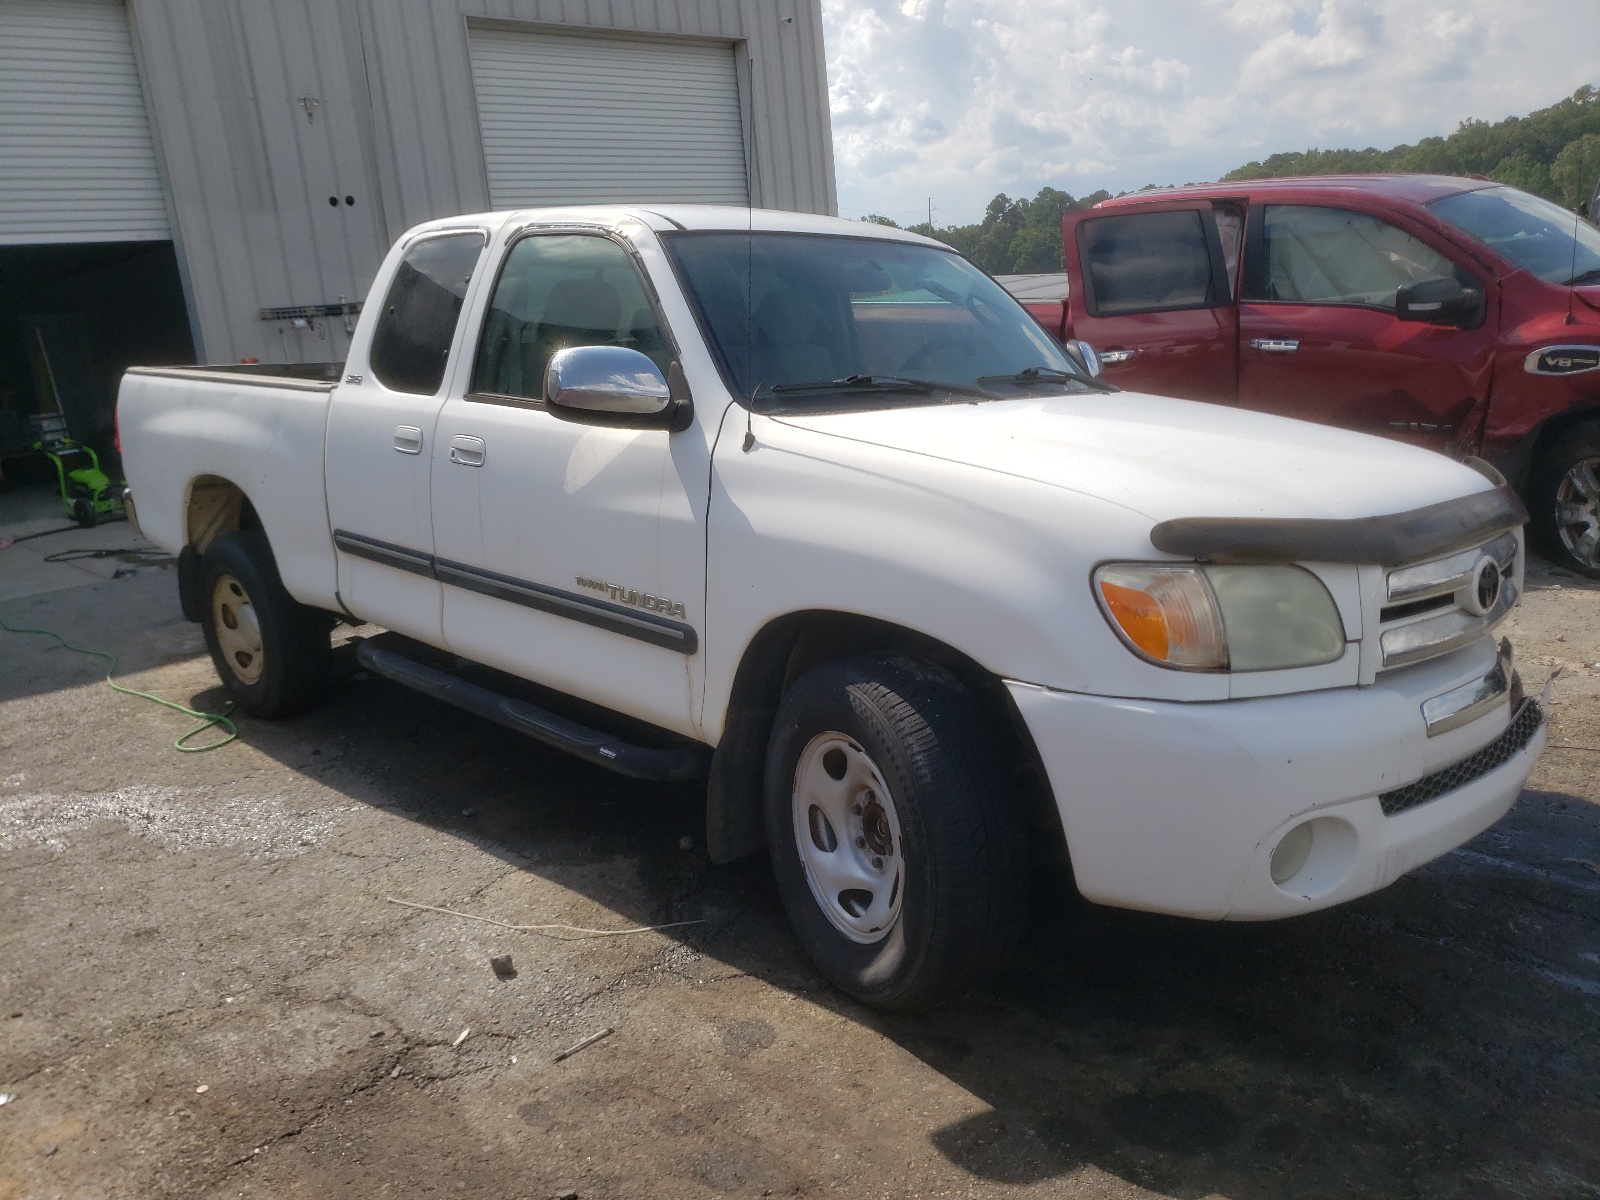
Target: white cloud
x=960, y=99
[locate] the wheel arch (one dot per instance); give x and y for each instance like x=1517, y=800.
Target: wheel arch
x=788, y=646
x=1520, y=461
x=212, y=506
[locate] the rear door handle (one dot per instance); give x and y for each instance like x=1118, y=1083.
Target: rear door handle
x=1275, y=345
x=1112, y=358
x=467, y=451
x=408, y=439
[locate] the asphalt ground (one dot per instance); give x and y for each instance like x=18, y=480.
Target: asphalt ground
x=205, y=989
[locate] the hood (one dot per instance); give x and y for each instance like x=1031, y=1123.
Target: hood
x=1169, y=458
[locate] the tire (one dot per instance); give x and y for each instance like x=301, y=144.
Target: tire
x=1564, y=500
x=83, y=512
x=910, y=798
x=271, y=651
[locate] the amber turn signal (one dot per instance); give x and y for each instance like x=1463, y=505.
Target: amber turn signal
x=1167, y=614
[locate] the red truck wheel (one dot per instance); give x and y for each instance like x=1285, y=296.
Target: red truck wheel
x=1564, y=499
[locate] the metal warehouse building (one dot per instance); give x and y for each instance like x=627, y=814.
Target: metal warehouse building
x=217, y=180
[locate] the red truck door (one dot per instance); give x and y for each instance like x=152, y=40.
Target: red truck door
x=1319, y=338
x=1152, y=292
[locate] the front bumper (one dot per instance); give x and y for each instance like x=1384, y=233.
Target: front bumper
x=1178, y=808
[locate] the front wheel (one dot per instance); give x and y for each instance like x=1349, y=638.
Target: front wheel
x=898, y=852
x=270, y=650
x=1564, y=499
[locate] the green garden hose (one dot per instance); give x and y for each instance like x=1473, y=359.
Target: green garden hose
x=220, y=720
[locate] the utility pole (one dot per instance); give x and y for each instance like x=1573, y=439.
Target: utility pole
x=930, y=212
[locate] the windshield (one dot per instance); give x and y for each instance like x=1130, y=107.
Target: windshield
x=801, y=319
x=1547, y=239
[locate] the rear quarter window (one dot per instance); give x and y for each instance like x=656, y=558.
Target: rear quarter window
x=411, y=343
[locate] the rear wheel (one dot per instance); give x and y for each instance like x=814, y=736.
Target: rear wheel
x=270, y=650
x=1564, y=497
x=898, y=853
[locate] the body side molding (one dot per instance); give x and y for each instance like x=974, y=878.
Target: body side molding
x=615, y=618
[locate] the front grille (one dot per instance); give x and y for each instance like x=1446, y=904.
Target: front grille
x=1475, y=766
x=1431, y=608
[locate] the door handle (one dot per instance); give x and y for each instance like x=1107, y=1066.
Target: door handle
x=1275, y=345
x=467, y=451
x=1112, y=358
x=408, y=439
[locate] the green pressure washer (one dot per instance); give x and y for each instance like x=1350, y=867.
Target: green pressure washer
x=87, y=493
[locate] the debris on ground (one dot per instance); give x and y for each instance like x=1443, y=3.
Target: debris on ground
x=502, y=966
x=202, y=1089
x=686, y=843
x=585, y=1044
x=544, y=929
x=460, y=1037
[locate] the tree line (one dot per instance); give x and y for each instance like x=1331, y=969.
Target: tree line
x=1553, y=152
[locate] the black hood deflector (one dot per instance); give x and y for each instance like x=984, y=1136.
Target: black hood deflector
x=1385, y=541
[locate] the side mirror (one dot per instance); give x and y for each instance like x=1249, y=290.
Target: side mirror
x=1084, y=354
x=616, y=386
x=1439, y=301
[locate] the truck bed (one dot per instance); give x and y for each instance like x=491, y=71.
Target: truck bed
x=311, y=376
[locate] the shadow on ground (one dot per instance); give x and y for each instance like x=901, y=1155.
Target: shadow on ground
x=1433, y=1040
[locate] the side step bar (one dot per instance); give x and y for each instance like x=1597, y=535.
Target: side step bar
x=591, y=745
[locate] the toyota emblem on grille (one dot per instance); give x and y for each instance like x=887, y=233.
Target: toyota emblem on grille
x=1484, y=591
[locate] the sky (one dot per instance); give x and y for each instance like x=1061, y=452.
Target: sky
x=961, y=99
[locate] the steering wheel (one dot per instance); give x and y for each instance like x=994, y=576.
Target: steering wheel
x=985, y=312
x=928, y=349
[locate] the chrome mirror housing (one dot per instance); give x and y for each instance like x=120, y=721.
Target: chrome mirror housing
x=605, y=381
x=1086, y=354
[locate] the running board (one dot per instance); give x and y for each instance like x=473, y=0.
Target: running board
x=591, y=745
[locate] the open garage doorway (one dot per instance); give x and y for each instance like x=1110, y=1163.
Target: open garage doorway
x=73, y=317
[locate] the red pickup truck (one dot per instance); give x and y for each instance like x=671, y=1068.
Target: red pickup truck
x=1454, y=313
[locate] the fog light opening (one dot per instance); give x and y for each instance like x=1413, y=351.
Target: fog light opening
x=1291, y=854
x=1314, y=857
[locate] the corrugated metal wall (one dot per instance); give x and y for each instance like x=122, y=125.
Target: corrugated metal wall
x=265, y=110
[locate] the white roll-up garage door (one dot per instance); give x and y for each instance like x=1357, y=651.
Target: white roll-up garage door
x=580, y=119
x=76, y=160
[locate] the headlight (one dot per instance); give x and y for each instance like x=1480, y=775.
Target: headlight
x=1221, y=618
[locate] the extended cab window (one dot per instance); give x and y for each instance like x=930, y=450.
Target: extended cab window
x=1147, y=262
x=559, y=290
x=412, y=341
x=1334, y=256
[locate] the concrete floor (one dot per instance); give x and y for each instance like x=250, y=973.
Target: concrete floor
x=205, y=989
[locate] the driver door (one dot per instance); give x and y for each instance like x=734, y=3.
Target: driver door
x=1319, y=338
x=572, y=555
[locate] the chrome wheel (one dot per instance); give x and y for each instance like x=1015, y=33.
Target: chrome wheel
x=1578, y=511
x=848, y=834
x=238, y=629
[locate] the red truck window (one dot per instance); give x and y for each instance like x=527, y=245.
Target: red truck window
x=1148, y=262
x=1334, y=256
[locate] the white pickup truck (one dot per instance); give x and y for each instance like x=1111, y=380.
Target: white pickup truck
x=813, y=509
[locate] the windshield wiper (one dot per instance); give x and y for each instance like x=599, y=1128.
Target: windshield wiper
x=1590, y=276
x=1051, y=375
x=876, y=383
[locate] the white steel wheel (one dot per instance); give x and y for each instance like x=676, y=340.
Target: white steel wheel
x=847, y=832
x=238, y=629
x=1578, y=511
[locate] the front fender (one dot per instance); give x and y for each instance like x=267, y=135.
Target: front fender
x=994, y=566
